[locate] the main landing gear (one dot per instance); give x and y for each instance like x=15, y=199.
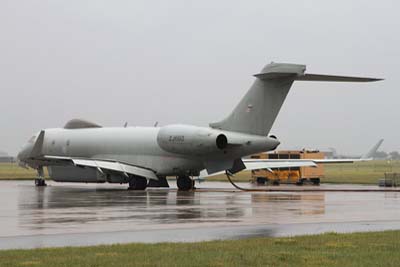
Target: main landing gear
x=137, y=183
x=39, y=181
x=184, y=183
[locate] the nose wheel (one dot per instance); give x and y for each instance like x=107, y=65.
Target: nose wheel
x=185, y=183
x=39, y=181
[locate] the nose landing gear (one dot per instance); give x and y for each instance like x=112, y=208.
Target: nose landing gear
x=39, y=181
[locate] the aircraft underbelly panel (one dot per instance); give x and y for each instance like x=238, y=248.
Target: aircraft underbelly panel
x=74, y=174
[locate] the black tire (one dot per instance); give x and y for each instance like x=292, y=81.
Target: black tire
x=315, y=181
x=40, y=182
x=261, y=180
x=138, y=183
x=184, y=183
x=276, y=182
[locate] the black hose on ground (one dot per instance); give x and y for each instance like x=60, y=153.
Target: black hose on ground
x=228, y=175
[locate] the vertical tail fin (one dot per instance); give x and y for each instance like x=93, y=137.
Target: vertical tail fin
x=258, y=109
x=372, y=151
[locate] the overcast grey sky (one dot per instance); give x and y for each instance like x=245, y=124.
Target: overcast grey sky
x=191, y=62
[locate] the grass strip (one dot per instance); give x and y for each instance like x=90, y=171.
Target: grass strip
x=356, y=249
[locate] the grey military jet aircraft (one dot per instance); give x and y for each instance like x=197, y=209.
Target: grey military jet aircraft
x=86, y=152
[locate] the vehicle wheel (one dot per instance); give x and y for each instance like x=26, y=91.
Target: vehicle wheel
x=315, y=181
x=137, y=183
x=261, y=180
x=184, y=183
x=275, y=182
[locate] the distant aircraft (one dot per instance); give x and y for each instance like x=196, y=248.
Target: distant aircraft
x=335, y=155
x=86, y=152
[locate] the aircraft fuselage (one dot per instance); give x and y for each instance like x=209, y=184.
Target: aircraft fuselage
x=168, y=150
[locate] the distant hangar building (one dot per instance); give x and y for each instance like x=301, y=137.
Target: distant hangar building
x=5, y=158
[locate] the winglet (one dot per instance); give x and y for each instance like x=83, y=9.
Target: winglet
x=372, y=151
x=37, y=147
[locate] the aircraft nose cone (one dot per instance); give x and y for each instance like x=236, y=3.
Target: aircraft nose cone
x=19, y=159
x=23, y=154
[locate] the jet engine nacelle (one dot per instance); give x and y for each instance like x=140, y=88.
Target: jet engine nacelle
x=183, y=139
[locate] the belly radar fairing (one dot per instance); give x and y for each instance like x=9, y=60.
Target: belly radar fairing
x=87, y=152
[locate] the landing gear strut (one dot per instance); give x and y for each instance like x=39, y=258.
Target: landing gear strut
x=184, y=183
x=137, y=183
x=39, y=181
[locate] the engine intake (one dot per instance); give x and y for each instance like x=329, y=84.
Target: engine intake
x=222, y=141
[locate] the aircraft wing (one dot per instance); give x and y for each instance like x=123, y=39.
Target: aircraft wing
x=252, y=164
x=270, y=164
x=257, y=164
x=287, y=162
x=328, y=161
x=107, y=165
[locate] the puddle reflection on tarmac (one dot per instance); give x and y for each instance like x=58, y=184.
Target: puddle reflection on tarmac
x=62, y=211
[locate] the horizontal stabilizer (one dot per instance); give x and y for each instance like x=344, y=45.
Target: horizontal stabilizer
x=334, y=78
x=281, y=71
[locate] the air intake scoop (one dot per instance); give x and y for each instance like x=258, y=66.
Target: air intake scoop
x=80, y=124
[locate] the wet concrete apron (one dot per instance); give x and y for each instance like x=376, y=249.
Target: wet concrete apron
x=86, y=214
